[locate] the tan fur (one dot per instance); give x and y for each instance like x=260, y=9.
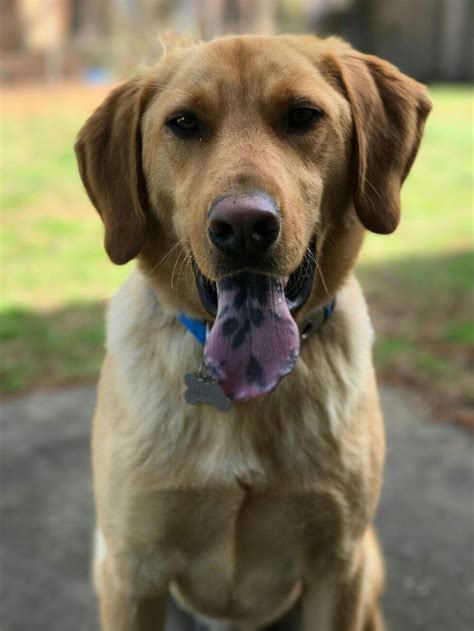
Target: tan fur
x=241, y=514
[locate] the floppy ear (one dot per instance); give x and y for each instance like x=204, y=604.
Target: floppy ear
x=389, y=111
x=108, y=151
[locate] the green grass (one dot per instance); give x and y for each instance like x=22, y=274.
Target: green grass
x=60, y=346
x=56, y=276
x=51, y=235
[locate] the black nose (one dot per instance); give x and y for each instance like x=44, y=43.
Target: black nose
x=244, y=224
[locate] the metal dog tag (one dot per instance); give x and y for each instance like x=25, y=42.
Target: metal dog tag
x=204, y=390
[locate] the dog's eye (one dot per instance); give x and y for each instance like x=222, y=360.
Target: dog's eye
x=184, y=125
x=302, y=118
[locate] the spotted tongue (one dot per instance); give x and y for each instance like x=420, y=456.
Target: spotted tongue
x=254, y=341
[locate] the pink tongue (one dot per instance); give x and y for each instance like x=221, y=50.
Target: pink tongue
x=254, y=341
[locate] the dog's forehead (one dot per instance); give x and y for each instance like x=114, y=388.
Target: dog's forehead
x=249, y=68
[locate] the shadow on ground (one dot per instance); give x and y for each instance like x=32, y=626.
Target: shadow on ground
x=51, y=348
x=422, y=309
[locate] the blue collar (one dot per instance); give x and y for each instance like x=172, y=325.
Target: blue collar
x=199, y=327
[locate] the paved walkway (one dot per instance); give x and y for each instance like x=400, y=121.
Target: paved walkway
x=426, y=516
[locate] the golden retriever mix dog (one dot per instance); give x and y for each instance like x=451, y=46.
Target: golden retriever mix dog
x=238, y=443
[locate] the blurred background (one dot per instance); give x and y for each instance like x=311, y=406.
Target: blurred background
x=58, y=61
x=59, y=58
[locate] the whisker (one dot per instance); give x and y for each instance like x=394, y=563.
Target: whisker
x=313, y=258
x=366, y=179
x=166, y=256
x=189, y=267
x=322, y=278
x=175, y=266
x=185, y=260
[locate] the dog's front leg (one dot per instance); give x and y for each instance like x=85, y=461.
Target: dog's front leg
x=349, y=603
x=319, y=605
x=121, y=611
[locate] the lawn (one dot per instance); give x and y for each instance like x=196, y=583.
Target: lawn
x=56, y=277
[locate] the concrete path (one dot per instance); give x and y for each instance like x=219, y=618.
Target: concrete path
x=426, y=516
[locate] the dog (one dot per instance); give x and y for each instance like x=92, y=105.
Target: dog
x=238, y=442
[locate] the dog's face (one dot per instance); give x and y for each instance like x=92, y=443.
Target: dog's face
x=256, y=122
x=251, y=158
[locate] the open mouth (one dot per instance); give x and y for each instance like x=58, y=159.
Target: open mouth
x=254, y=341
x=297, y=288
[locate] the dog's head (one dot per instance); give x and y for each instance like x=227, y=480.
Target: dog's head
x=248, y=167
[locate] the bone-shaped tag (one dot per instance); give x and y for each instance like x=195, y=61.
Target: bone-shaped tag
x=205, y=391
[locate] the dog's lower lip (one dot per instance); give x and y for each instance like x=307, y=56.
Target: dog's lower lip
x=297, y=289
x=207, y=293
x=300, y=282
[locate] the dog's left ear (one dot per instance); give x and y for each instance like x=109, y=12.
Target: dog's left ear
x=389, y=111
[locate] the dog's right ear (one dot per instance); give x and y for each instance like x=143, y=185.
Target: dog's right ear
x=108, y=151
